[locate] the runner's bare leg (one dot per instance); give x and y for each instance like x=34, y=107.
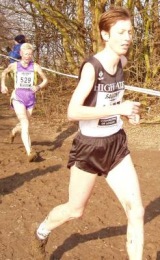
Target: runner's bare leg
x=124, y=182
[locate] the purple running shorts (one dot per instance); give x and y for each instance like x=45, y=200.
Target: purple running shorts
x=25, y=96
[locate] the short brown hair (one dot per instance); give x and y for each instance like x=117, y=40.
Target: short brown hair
x=111, y=16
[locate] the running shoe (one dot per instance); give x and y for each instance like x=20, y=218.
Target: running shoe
x=32, y=156
x=12, y=136
x=37, y=247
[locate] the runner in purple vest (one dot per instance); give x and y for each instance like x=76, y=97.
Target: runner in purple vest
x=23, y=96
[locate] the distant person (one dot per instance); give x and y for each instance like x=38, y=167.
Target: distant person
x=100, y=146
x=15, y=52
x=23, y=97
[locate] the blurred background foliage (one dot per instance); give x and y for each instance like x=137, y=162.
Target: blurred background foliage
x=65, y=32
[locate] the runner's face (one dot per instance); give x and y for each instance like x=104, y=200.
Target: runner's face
x=27, y=55
x=120, y=36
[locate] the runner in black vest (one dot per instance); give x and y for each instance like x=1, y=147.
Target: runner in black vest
x=100, y=146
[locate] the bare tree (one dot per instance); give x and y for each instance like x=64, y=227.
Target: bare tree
x=65, y=32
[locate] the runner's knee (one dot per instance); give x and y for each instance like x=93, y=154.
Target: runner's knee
x=24, y=123
x=135, y=213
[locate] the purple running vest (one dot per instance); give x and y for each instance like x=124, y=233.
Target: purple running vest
x=24, y=76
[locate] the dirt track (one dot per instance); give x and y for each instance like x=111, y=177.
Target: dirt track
x=30, y=190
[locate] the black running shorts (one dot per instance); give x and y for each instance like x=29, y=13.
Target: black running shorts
x=98, y=155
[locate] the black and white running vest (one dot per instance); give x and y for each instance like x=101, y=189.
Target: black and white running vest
x=107, y=90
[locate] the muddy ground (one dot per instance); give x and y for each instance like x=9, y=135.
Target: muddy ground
x=29, y=190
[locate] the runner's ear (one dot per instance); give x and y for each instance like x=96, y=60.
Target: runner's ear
x=105, y=35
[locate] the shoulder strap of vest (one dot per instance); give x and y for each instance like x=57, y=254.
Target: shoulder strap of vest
x=96, y=64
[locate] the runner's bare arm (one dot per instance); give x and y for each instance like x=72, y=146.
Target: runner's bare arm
x=133, y=119
x=76, y=109
x=44, y=82
x=10, y=68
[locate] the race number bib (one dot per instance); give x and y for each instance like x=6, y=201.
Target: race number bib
x=109, y=99
x=25, y=79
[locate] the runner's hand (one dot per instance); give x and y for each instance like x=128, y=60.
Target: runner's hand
x=129, y=108
x=4, y=90
x=35, y=88
x=134, y=120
